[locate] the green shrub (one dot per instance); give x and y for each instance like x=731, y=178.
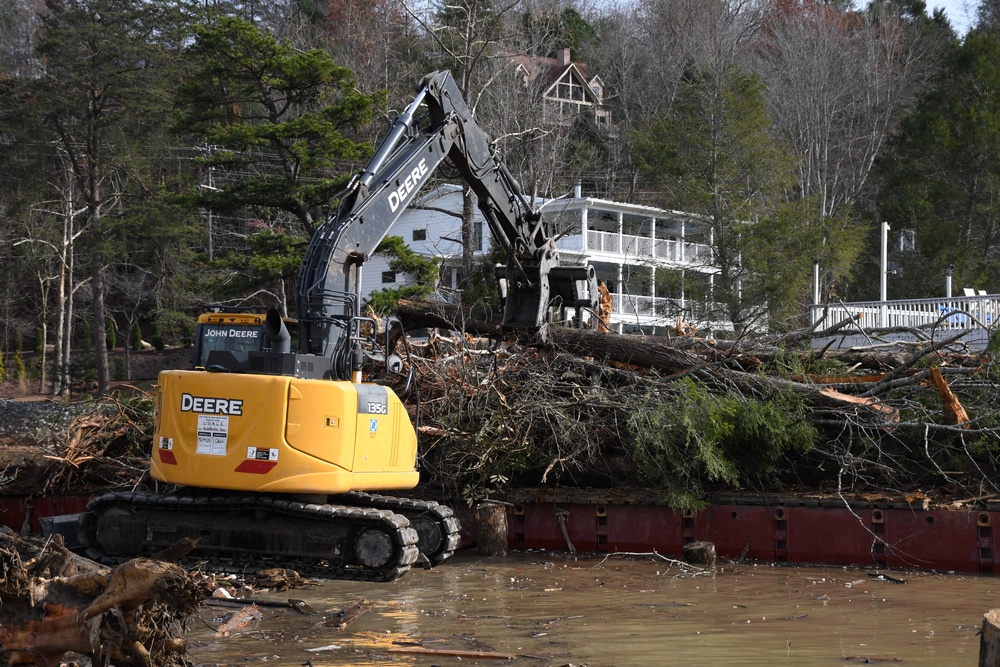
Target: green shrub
x=111, y=334
x=678, y=445
x=85, y=334
x=157, y=339
x=136, y=343
x=118, y=369
x=20, y=370
x=173, y=327
x=702, y=439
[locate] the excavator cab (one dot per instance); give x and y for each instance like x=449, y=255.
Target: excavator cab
x=238, y=331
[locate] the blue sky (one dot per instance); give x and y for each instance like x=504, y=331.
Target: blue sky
x=961, y=13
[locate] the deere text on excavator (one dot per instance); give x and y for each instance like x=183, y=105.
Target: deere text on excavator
x=272, y=454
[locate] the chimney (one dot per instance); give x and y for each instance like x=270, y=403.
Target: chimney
x=563, y=57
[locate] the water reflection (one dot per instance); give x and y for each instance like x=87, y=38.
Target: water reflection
x=553, y=609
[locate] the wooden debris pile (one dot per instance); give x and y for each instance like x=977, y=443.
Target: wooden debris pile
x=54, y=603
x=102, y=445
x=589, y=408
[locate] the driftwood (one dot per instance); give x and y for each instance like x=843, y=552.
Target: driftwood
x=51, y=604
x=478, y=655
x=341, y=618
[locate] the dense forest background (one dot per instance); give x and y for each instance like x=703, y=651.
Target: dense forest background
x=157, y=156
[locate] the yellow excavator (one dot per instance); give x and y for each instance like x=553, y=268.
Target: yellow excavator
x=270, y=456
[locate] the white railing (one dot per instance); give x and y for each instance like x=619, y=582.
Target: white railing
x=965, y=312
x=646, y=246
x=665, y=310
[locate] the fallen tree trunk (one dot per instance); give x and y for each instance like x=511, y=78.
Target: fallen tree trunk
x=633, y=350
x=718, y=370
x=131, y=615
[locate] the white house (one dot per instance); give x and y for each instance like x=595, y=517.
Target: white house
x=657, y=264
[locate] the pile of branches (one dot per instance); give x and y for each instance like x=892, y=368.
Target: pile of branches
x=691, y=417
x=97, y=445
x=53, y=603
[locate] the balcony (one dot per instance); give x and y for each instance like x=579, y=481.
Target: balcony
x=632, y=246
x=656, y=312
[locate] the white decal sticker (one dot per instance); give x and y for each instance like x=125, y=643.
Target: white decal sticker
x=213, y=432
x=262, y=454
x=166, y=443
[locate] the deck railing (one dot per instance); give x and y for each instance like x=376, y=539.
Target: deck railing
x=646, y=246
x=963, y=312
x=665, y=309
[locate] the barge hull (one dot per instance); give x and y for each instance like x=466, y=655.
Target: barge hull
x=888, y=536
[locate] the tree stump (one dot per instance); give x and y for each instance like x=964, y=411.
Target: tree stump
x=700, y=553
x=989, y=640
x=491, y=528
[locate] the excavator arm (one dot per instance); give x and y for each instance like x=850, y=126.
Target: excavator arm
x=438, y=125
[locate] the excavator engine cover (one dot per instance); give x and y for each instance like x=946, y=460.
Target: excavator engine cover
x=280, y=434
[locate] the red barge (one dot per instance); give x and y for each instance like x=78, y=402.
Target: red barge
x=885, y=533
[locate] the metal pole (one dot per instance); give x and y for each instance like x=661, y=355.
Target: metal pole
x=211, y=186
x=815, y=290
x=883, y=293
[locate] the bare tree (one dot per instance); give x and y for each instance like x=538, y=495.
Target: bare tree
x=474, y=39
x=648, y=48
x=837, y=83
x=19, y=23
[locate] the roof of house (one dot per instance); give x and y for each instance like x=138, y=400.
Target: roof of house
x=545, y=72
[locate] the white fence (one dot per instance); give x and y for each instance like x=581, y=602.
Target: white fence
x=957, y=313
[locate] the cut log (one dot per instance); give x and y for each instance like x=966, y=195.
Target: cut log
x=635, y=350
x=491, y=529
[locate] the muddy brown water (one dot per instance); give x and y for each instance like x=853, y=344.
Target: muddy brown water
x=557, y=609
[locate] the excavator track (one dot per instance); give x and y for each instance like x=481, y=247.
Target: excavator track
x=436, y=525
x=236, y=532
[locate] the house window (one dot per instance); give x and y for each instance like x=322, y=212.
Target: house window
x=388, y=277
x=419, y=234
x=908, y=240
